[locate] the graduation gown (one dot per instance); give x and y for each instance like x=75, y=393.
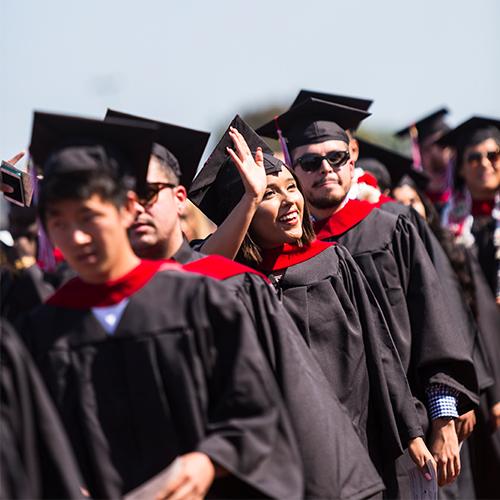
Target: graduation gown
x=23, y=290
x=400, y=272
x=182, y=372
x=336, y=464
x=483, y=230
x=483, y=444
x=459, y=313
x=333, y=308
x=35, y=456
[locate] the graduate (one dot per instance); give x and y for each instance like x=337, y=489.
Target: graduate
x=477, y=188
x=473, y=219
x=483, y=444
x=146, y=362
x=433, y=158
x=321, y=287
x=474, y=309
x=336, y=465
x=156, y=231
x=396, y=264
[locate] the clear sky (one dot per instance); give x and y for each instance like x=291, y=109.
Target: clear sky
x=197, y=63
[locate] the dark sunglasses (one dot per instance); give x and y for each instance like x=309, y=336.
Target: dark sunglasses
x=312, y=162
x=150, y=196
x=477, y=157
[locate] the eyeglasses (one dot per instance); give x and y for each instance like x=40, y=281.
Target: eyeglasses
x=150, y=196
x=476, y=157
x=312, y=162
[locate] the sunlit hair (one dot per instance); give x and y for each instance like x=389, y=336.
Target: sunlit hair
x=251, y=254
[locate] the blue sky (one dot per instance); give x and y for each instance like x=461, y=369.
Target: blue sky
x=197, y=63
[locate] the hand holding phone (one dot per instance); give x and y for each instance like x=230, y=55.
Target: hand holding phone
x=15, y=183
x=12, y=178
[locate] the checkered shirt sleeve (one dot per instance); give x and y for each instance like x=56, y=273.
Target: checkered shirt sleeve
x=442, y=401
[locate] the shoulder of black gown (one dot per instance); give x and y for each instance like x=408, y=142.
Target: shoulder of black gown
x=186, y=254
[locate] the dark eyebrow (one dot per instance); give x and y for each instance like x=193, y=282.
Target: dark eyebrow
x=274, y=184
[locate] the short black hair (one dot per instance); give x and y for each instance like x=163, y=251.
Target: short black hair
x=169, y=165
x=81, y=186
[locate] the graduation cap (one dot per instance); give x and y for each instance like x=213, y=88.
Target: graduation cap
x=180, y=147
x=218, y=187
x=373, y=156
x=65, y=144
x=314, y=121
x=352, y=102
x=470, y=131
x=428, y=125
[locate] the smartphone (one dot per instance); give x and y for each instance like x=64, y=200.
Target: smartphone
x=13, y=178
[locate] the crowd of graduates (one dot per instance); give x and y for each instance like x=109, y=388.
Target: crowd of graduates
x=333, y=326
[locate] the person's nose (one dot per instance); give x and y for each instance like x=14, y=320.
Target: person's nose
x=325, y=168
x=80, y=237
x=139, y=209
x=287, y=199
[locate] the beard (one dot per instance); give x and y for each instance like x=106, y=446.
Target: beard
x=326, y=200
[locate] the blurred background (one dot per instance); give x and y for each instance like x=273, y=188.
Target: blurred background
x=198, y=63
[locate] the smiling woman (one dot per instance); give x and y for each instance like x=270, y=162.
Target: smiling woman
x=280, y=218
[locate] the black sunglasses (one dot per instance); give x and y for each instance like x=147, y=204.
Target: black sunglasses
x=477, y=157
x=150, y=196
x=311, y=162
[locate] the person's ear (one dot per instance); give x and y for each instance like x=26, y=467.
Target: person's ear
x=180, y=195
x=351, y=167
x=129, y=209
x=354, y=150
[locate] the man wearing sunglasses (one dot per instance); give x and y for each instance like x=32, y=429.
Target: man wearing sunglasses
x=394, y=260
x=156, y=232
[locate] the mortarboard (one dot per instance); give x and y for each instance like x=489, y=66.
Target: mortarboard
x=218, y=187
x=314, y=121
x=352, y=102
x=428, y=125
x=184, y=144
x=468, y=131
x=64, y=144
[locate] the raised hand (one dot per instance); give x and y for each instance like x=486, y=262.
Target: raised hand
x=251, y=169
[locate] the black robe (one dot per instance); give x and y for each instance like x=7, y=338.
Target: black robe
x=464, y=323
x=22, y=290
x=400, y=272
x=36, y=460
x=483, y=444
x=336, y=464
x=483, y=230
x=332, y=306
x=182, y=372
